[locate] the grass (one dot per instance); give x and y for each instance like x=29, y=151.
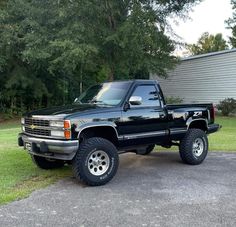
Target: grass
x=225, y=139
x=19, y=176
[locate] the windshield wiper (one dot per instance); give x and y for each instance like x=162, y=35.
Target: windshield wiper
x=97, y=101
x=100, y=102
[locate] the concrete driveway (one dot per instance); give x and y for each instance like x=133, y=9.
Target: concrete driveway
x=154, y=190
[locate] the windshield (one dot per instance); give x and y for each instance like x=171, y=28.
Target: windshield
x=105, y=94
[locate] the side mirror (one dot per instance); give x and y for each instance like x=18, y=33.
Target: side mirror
x=135, y=100
x=76, y=99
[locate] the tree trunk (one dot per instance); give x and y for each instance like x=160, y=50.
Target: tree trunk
x=81, y=80
x=111, y=75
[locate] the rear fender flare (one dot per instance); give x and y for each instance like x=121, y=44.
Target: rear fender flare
x=191, y=120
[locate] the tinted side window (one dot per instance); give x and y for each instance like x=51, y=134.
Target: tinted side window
x=149, y=95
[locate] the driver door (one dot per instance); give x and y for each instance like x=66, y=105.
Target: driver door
x=145, y=122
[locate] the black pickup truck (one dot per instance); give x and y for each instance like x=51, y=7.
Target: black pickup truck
x=113, y=118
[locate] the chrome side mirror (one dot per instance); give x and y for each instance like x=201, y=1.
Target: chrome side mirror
x=77, y=100
x=135, y=100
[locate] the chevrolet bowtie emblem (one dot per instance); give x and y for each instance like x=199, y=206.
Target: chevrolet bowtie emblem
x=32, y=126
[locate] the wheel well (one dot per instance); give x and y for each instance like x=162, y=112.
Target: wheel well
x=200, y=124
x=105, y=132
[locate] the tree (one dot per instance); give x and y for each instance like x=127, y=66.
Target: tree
x=3, y=3
x=208, y=43
x=131, y=35
x=42, y=40
x=231, y=22
x=48, y=49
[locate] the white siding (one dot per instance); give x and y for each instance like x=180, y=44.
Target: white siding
x=206, y=78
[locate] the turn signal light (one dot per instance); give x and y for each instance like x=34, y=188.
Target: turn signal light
x=66, y=124
x=67, y=134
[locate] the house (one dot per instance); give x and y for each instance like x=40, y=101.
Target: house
x=202, y=78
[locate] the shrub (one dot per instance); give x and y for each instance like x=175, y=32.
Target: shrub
x=173, y=100
x=227, y=106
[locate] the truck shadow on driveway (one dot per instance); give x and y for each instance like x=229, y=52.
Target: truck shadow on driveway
x=153, y=167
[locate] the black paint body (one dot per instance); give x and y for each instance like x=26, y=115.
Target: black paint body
x=136, y=125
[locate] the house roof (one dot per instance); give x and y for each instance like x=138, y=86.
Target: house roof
x=208, y=54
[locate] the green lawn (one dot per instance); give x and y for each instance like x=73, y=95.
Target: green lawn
x=19, y=176
x=225, y=139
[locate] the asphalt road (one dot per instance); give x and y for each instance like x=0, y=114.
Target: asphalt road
x=154, y=190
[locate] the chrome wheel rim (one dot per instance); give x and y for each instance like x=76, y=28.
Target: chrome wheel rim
x=198, y=147
x=98, y=163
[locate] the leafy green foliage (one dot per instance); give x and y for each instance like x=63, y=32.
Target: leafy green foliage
x=3, y=3
x=173, y=100
x=227, y=106
x=231, y=22
x=208, y=43
x=51, y=50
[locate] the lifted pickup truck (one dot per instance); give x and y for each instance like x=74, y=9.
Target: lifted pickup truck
x=113, y=118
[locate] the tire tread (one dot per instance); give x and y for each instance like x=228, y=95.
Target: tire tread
x=78, y=160
x=186, y=145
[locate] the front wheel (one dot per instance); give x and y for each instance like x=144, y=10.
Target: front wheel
x=194, y=147
x=96, y=161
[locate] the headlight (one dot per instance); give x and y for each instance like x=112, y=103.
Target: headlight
x=59, y=124
x=22, y=121
x=57, y=133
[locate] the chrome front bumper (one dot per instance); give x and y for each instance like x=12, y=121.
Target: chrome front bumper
x=51, y=148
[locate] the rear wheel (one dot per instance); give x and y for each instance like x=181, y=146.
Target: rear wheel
x=194, y=147
x=96, y=161
x=45, y=163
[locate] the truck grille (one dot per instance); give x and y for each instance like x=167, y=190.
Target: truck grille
x=36, y=122
x=36, y=131
x=31, y=125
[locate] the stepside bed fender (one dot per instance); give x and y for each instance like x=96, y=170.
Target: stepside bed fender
x=200, y=123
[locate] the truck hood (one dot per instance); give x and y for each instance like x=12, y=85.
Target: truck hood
x=62, y=111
